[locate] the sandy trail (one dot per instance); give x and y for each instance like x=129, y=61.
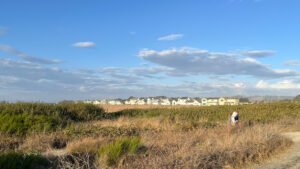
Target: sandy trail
x=289, y=160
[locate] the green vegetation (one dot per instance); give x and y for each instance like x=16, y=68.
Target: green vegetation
x=14, y=160
x=21, y=118
x=210, y=116
x=113, y=151
x=175, y=137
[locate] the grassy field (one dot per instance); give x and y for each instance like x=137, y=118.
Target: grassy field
x=85, y=136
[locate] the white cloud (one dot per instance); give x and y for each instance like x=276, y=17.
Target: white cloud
x=3, y=30
x=171, y=37
x=282, y=85
x=132, y=33
x=258, y=54
x=12, y=51
x=29, y=81
x=292, y=63
x=149, y=72
x=194, y=61
x=84, y=44
x=144, y=64
x=21, y=80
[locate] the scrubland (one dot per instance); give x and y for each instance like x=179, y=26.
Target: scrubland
x=38, y=135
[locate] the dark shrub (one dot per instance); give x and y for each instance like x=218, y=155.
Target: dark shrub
x=14, y=160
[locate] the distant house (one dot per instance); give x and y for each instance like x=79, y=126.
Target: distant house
x=131, y=100
x=165, y=101
x=111, y=102
x=199, y=100
x=231, y=101
x=204, y=102
x=140, y=102
x=114, y=102
x=212, y=101
x=182, y=100
x=103, y=101
x=96, y=102
x=155, y=101
x=149, y=100
x=193, y=102
x=221, y=101
x=173, y=101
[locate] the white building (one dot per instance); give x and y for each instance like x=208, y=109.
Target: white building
x=165, y=101
x=131, y=100
x=96, y=102
x=140, y=102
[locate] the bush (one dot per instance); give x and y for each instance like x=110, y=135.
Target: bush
x=21, y=118
x=14, y=160
x=113, y=151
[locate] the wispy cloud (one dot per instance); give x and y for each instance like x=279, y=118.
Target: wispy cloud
x=12, y=51
x=20, y=80
x=195, y=62
x=132, y=33
x=171, y=37
x=258, y=53
x=292, y=63
x=285, y=84
x=84, y=44
x=3, y=30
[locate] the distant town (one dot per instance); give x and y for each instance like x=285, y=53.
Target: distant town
x=163, y=100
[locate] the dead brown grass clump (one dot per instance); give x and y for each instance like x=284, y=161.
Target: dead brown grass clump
x=83, y=145
x=8, y=143
x=209, y=149
x=245, y=146
x=42, y=142
x=76, y=160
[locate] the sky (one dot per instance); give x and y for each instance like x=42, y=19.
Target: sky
x=94, y=49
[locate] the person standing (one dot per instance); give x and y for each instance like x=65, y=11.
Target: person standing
x=233, y=120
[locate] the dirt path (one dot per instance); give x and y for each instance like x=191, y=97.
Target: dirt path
x=289, y=160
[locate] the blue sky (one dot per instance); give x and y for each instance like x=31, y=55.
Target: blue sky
x=93, y=49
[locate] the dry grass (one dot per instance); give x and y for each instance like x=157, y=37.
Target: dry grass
x=116, y=108
x=209, y=148
x=155, y=123
x=167, y=147
x=177, y=143
x=42, y=142
x=76, y=161
x=288, y=124
x=88, y=144
x=8, y=143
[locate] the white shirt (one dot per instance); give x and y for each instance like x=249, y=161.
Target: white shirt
x=233, y=121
